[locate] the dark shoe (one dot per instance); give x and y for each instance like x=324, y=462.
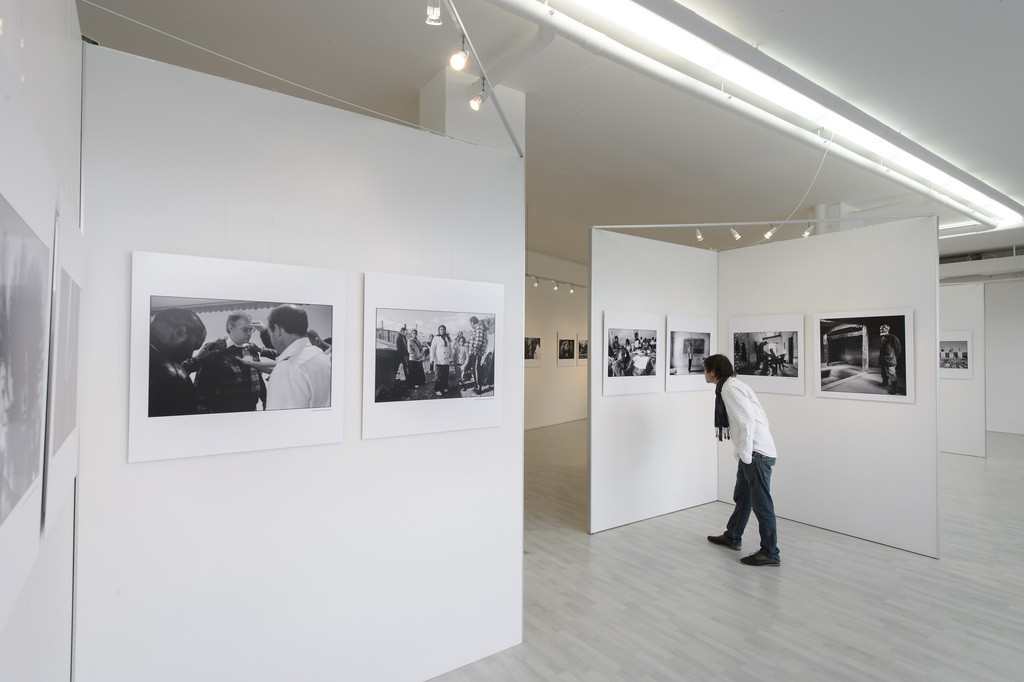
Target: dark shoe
x=723, y=541
x=757, y=559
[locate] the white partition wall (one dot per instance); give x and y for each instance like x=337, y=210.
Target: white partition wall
x=962, y=401
x=650, y=453
x=1004, y=377
x=392, y=559
x=867, y=469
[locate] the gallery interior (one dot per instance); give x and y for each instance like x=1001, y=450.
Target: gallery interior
x=748, y=177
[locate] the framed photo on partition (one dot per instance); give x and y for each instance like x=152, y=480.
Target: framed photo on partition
x=233, y=356
x=690, y=340
x=62, y=437
x=25, y=299
x=432, y=355
x=768, y=351
x=956, y=355
x=582, y=349
x=531, y=349
x=631, y=359
x=865, y=355
x=566, y=349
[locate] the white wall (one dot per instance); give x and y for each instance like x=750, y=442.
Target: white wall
x=1004, y=375
x=650, y=453
x=962, y=401
x=40, y=55
x=393, y=559
x=555, y=395
x=867, y=469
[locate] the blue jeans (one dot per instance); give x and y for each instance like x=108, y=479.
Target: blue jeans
x=753, y=493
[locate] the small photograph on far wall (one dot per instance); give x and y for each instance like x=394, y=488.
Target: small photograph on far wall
x=955, y=355
x=866, y=355
x=582, y=349
x=531, y=349
x=566, y=349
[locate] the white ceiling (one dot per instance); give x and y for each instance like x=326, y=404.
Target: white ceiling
x=608, y=146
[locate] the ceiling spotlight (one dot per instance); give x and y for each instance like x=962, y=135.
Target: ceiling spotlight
x=572, y=289
x=735, y=234
x=769, y=233
x=433, y=12
x=536, y=282
x=556, y=287
x=459, y=59
x=700, y=237
x=810, y=228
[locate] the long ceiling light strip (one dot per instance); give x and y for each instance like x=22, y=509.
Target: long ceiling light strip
x=603, y=46
x=985, y=205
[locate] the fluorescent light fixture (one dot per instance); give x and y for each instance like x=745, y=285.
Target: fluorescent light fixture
x=735, y=234
x=769, y=233
x=807, y=115
x=434, y=12
x=700, y=237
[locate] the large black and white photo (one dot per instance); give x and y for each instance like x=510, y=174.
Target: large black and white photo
x=690, y=340
x=866, y=355
x=432, y=355
x=25, y=299
x=24, y=342
x=237, y=372
x=956, y=354
x=631, y=361
x=767, y=351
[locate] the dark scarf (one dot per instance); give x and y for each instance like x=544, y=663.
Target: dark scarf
x=721, y=416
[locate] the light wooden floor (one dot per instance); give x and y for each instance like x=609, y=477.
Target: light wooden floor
x=655, y=601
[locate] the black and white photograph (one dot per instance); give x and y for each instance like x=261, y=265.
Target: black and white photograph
x=237, y=373
x=767, y=351
x=690, y=340
x=955, y=354
x=24, y=343
x=631, y=353
x=238, y=356
x=687, y=352
x=531, y=349
x=566, y=349
x=582, y=349
x=432, y=355
x=866, y=355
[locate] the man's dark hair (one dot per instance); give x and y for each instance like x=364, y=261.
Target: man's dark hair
x=720, y=366
x=167, y=320
x=290, y=318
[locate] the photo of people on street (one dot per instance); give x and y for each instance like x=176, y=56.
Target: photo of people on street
x=433, y=355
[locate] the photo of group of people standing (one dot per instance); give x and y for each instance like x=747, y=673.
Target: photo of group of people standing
x=429, y=355
x=269, y=356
